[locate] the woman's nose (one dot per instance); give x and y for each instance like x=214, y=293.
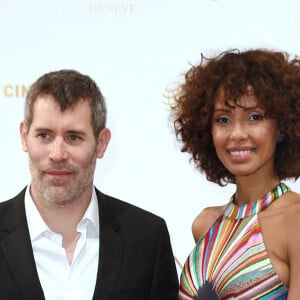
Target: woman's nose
x=239, y=131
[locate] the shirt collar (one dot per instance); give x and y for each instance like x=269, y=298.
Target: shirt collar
x=91, y=214
x=37, y=225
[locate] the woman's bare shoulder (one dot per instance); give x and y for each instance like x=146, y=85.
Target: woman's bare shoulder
x=291, y=210
x=289, y=204
x=290, y=227
x=283, y=217
x=205, y=219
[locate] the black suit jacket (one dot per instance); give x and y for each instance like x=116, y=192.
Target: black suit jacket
x=135, y=263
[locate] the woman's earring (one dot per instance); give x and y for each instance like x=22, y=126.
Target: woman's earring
x=280, y=138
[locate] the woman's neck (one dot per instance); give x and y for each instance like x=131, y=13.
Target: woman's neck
x=249, y=189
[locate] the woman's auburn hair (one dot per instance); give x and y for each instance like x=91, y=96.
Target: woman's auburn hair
x=274, y=79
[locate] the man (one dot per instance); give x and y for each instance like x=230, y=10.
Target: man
x=61, y=238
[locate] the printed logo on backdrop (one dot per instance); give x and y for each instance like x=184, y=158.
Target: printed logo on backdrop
x=13, y=91
x=112, y=8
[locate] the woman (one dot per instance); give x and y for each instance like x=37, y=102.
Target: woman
x=238, y=114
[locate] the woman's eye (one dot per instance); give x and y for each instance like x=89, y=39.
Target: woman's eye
x=222, y=119
x=256, y=117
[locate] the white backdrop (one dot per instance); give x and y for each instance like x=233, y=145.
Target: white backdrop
x=134, y=50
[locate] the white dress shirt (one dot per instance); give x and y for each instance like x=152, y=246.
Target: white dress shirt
x=59, y=279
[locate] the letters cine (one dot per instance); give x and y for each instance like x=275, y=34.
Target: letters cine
x=14, y=90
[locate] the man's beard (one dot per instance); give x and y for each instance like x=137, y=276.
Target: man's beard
x=63, y=192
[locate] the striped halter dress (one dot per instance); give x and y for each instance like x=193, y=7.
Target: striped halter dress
x=231, y=261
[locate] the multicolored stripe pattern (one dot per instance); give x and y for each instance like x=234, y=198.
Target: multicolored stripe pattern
x=231, y=261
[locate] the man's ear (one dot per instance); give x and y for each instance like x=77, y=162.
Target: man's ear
x=23, y=134
x=103, y=140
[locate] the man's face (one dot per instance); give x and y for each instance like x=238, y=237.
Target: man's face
x=62, y=151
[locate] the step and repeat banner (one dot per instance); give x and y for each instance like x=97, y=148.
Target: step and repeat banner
x=135, y=50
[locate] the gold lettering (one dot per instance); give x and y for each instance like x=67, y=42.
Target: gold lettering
x=7, y=90
x=24, y=91
x=17, y=91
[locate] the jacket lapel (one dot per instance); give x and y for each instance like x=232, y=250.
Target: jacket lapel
x=17, y=250
x=111, y=249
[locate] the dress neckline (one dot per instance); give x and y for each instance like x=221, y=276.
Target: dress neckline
x=234, y=211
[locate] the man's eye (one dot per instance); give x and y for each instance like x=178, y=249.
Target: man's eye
x=73, y=138
x=44, y=135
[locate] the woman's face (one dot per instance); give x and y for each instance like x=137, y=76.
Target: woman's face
x=244, y=139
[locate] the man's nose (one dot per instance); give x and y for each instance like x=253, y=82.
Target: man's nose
x=58, y=150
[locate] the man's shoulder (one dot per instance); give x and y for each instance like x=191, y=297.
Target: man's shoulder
x=10, y=203
x=126, y=211
x=12, y=212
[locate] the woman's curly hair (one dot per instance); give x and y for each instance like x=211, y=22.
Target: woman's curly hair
x=275, y=80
